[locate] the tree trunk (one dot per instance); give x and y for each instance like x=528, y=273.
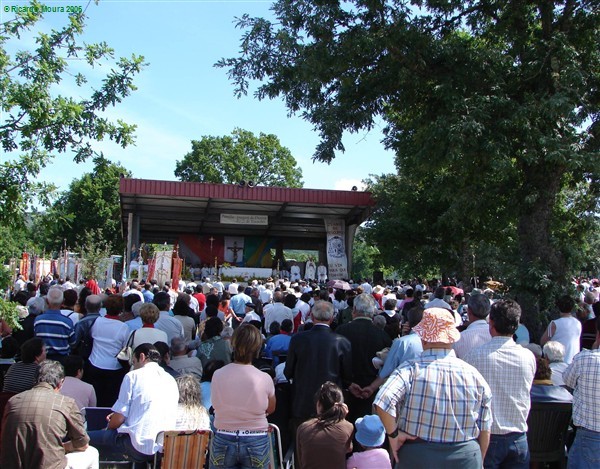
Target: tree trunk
x=542, y=266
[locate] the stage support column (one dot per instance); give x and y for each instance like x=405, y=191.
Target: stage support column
x=129, y=244
x=350, y=232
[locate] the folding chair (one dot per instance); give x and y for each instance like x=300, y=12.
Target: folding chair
x=182, y=449
x=548, y=424
x=279, y=460
x=95, y=419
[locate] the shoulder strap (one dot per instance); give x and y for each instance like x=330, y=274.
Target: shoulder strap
x=130, y=341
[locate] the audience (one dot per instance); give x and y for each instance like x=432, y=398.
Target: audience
x=240, y=393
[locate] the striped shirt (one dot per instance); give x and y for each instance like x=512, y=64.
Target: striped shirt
x=583, y=375
x=56, y=331
x=509, y=369
x=478, y=333
x=438, y=398
x=21, y=377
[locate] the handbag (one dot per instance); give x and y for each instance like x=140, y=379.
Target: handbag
x=125, y=355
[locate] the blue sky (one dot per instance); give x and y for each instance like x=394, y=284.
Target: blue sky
x=181, y=96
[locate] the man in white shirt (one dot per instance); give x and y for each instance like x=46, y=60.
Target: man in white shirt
x=277, y=311
x=509, y=370
x=478, y=332
x=20, y=284
x=147, y=405
x=366, y=286
x=233, y=287
x=219, y=285
x=266, y=294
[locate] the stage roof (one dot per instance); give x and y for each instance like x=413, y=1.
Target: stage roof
x=166, y=209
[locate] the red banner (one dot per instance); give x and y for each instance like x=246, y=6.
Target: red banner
x=177, y=265
x=24, y=266
x=151, y=269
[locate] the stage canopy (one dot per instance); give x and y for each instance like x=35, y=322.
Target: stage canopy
x=167, y=211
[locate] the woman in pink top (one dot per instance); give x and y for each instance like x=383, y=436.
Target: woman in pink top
x=242, y=397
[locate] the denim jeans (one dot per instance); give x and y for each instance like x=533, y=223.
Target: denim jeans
x=585, y=451
x=507, y=451
x=116, y=446
x=239, y=452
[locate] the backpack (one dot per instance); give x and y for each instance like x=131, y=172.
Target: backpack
x=85, y=345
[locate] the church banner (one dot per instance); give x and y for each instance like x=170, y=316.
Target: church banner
x=163, y=267
x=337, y=262
x=105, y=280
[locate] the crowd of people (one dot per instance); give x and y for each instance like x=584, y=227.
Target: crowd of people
x=411, y=374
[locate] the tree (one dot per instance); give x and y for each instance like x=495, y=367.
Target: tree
x=88, y=213
x=37, y=122
x=472, y=91
x=240, y=157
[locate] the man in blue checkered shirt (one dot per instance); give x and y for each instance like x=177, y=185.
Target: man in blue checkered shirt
x=436, y=409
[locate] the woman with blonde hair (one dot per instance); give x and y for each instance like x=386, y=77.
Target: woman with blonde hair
x=191, y=414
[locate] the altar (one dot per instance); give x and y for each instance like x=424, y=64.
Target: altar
x=245, y=273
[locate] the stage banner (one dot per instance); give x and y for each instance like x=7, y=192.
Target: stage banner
x=234, y=250
x=337, y=262
x=163, y=267
x=257, y=251
x=201, y=250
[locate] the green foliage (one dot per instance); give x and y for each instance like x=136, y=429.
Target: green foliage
x=90, y=205
x=94, y=251
x=8, y=312
x=6, y=277
x=491, y=107
x=38, y=122
x=364, y=257
x=13, y=241
x=240, y=157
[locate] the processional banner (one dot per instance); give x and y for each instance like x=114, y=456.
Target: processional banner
x=151, y=268
x=163, y=267
x=24, y=266
x=337, y=262
x=107, y=275
x=177, y=266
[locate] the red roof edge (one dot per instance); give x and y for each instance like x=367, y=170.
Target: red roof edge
x=239, y=192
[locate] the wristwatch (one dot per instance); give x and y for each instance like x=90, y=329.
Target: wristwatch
x=394, y=434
